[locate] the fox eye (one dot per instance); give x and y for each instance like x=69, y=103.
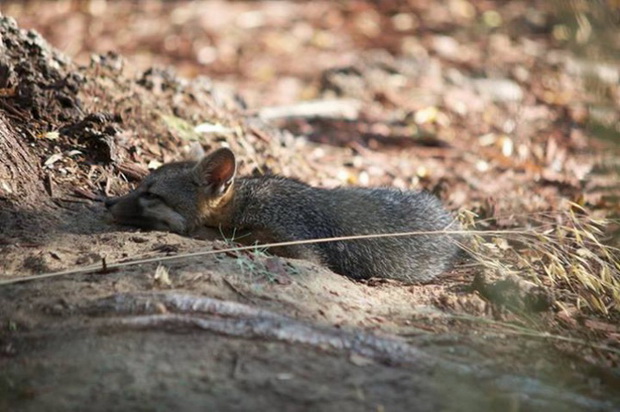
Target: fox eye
x=150, y=196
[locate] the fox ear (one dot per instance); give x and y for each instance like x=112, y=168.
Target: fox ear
x=216, y=172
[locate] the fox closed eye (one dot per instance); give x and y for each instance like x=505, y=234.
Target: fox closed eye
x=151, y=196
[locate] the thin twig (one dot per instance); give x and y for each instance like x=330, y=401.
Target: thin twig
x=92, y=268
x=341, y=109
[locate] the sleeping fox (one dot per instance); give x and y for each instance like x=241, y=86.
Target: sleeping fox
x=183, y=197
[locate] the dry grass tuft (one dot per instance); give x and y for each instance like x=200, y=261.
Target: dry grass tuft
x=565, y=251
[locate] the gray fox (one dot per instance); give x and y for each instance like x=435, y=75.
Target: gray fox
x=182, y=197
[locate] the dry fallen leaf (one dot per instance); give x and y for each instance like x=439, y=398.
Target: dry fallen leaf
x=49, y=135
x=52, y=159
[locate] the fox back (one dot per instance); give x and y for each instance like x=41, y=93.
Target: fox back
x=182, y=197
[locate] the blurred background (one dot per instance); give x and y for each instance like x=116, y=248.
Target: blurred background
x=273, y=52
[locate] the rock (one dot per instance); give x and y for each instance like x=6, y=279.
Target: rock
x=513, y=292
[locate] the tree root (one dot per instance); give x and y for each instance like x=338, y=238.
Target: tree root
x=180, y=311
x=236, y=319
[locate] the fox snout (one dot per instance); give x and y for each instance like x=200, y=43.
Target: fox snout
x=109, y=202
x=123, y=206
x=126, y=209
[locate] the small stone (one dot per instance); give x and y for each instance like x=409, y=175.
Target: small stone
x=499, y=90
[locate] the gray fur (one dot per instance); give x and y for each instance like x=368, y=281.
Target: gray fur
x=284, y=209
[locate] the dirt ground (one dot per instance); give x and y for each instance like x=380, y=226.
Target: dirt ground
x=305, y=338
x=483, y=103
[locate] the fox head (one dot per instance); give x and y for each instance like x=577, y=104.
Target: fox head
x=179, y=197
